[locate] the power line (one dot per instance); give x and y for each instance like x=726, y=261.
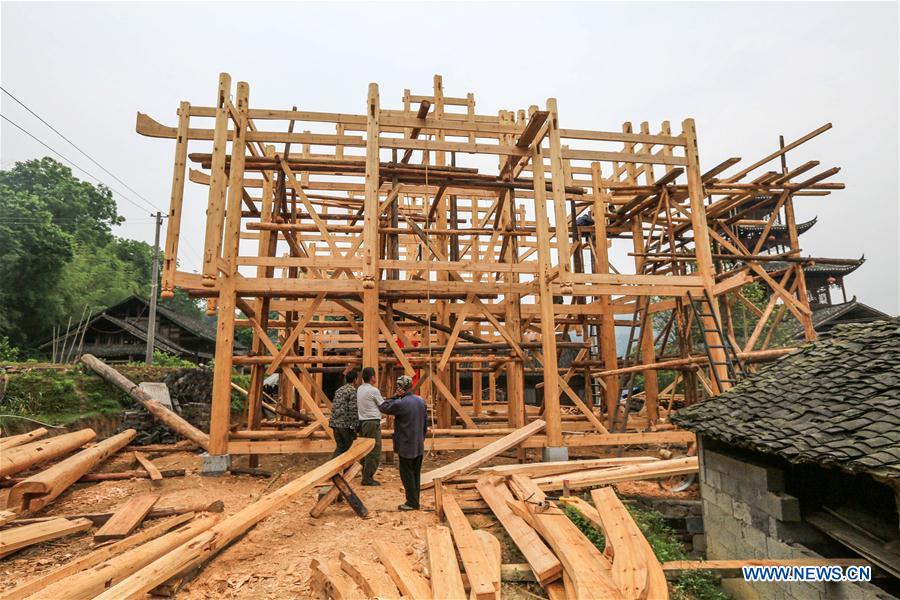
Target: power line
x=45, y=145
x=89, y=157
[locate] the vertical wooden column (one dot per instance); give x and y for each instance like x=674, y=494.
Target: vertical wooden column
x=558, y=183
x=220, y=413
x=173, y=230
x=548, y=326
x=443, y=410
x=267, y=249
x=607, y=318
x=215, y=210
x=515, y=370
x=648, y=350
x=370, y=231
x=703, y=251
x=476, y=389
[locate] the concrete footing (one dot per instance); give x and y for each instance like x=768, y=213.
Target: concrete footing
x=554, y=454
x=215, y=464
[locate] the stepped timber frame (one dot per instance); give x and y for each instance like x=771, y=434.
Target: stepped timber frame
x=391, y=238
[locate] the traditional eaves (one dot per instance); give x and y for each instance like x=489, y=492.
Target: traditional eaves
x=835, y=402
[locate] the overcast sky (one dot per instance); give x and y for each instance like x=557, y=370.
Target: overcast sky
x=746, y=72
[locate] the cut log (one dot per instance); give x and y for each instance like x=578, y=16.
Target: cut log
x=333, y=492
x=16, y=538
x=544, y=564
x=96, y=557
x=490, y=545
x=156, y=512
x=629, y=564
x=479, y=457
x=471, y=552
x=7, y=516
x=148, y=466
x=406, y=578
x=566, y=466
x=41, y=489
x=446, y=580
x=371, y=577
x=197, y=551
x=13, y=460
x=597, y=477
x=95, y=580
x=656, y=580
x=17, y=440
x=162, y=414
x=126, y=518
x=331, y=583
x=94, y=477
x=588, y=568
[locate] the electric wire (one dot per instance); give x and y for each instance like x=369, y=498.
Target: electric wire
x=74, y=145
x=48, y=147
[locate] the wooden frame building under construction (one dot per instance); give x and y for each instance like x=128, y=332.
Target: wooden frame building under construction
x=456, y=246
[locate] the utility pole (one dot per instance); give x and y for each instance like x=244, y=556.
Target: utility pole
x=151, y=323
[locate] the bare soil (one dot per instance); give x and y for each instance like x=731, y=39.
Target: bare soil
x=272, y=559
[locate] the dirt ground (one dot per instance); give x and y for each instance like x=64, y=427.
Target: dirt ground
x=272, y=559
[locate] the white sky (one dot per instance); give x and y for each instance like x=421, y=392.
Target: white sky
x=746, y=72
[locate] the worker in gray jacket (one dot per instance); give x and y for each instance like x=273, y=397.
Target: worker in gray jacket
x=368, y=399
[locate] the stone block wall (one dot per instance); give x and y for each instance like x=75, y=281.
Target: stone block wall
x=748, y=514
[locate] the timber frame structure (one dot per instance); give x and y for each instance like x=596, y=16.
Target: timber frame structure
x=391, y=238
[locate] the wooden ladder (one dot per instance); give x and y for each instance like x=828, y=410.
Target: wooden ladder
x=702, y=307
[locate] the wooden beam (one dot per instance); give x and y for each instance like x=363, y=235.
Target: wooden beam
x=41, y=489
x=471, y=552
x=17, y=440
x=162, y=414
x=543, y=563
x=16, y=538
x=126, y=518
x=148, y=466
x=371, y=577
x=407, y=579
x=202, y=547
x=446, y=580
x=34, y=585
x=481, y=456
x=19, y=458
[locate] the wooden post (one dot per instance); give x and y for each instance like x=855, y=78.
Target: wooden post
x=215, y=212
x=220, y=411
x=548, y=326
x=703, y=251
x=371, y=317
x=607, y=318
x=173, y=230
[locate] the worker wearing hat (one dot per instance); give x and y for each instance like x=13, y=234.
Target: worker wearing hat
x=410, y=425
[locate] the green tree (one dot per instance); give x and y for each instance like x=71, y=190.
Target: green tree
x=58, y=254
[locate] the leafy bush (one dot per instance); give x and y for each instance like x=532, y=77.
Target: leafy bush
x=8, y=352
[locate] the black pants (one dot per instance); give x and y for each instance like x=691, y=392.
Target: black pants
x=411, y=476
x=343, y=439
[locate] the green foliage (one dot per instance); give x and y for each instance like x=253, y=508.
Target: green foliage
x=239, y=400
x=164, y=359
x=59, y=396
x=57, y=251
x=698, y=585
x=8, y=352
x=693, y=585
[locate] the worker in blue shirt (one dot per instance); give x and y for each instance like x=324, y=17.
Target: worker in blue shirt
x=410, y=424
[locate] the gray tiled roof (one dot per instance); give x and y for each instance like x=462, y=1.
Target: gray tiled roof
x=835, y=402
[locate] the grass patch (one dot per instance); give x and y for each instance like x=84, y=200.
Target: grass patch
x=696, y=585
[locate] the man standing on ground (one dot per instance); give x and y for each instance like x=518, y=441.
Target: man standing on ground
x=344, y=419
x=410, y=425
x=368, y=399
